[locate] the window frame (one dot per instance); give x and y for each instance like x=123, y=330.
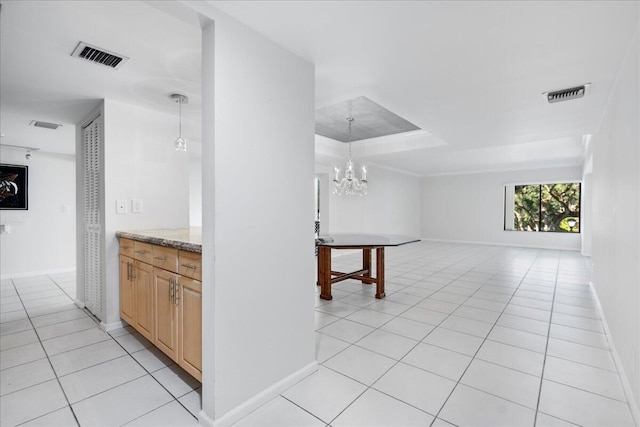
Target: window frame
x=539, y=184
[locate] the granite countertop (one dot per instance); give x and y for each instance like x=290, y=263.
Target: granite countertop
x=187, y=239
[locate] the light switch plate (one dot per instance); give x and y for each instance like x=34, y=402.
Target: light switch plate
x=136, y=206
x=121, y=206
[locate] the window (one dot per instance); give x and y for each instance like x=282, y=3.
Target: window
x=542, y=207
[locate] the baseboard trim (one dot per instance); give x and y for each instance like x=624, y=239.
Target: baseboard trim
x=258, y=400
x=36, y=273
x=471, y=242
x=108, y=327
x=78, y=303
x=626, y=385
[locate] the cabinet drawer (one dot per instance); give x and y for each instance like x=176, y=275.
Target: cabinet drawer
x=143, y=252
x=126, y=247
x=166, y=258
x=190, y=264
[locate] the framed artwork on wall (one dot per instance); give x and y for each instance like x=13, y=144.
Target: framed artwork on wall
x=14, y=187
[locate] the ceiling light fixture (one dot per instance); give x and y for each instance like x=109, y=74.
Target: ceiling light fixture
x=349, y=184
x=19, y=147
x=180, y=143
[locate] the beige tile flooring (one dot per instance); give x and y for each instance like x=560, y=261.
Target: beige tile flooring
x=468, y=335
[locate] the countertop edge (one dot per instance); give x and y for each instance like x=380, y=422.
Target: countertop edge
x=169, y=243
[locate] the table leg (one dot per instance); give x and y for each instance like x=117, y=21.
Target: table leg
x=317, y=266
x=324, y=272
x=380, y=273
x=366, y=263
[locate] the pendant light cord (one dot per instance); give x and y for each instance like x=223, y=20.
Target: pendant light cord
x=180, y=109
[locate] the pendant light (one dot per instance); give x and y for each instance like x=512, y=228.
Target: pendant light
x=180, y=143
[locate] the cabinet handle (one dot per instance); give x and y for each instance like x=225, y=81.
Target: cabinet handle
x=160, y=258
x=171, y=289
x=193, y=266
x=129, y=271
x=176, y=295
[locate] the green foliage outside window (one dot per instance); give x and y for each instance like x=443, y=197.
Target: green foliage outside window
x=547, y=207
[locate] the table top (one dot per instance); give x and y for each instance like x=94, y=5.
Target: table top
x=363, y=240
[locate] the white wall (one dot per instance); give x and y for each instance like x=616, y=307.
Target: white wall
x=470, y=208
x=616, y=215
x=140, y=163
x=258, y=170
x=38, y=240
x=195, y=190
x=391, y=206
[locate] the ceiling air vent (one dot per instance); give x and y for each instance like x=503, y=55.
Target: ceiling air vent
x=567, y=94
x=45, y=125
x=99, y=55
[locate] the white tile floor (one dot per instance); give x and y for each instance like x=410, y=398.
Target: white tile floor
x=468, y=335
x=59, y=369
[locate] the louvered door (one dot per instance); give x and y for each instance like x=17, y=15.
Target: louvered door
x=93, y=237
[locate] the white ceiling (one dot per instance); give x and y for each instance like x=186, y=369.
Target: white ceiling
x=41, y=81
x=470, y=74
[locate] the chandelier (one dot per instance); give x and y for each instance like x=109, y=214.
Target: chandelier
x=349, y=184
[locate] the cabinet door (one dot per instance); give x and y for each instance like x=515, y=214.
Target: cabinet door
x=127, y=311
x=165, y=312
x=190, y=327
x=144, y=299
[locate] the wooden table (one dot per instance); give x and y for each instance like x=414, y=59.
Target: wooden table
x=365, y=242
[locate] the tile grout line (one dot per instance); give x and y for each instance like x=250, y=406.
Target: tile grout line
x=485, y=339
x=546, y=348
x=57, y=377
x=66, y=398
x=421, y=341
x=155, y=379
x=368, y=387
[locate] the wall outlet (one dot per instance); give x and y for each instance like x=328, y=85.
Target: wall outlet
x=121, y=206
x=136, y=206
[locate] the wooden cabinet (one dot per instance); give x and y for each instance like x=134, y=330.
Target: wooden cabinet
x=143, y=297
x=126, y=247
x=190, y=326
x=165, y=312
x=127, y=286
x=165, y=258
x=190, y=264
x=161, y=297
x=143, y=252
